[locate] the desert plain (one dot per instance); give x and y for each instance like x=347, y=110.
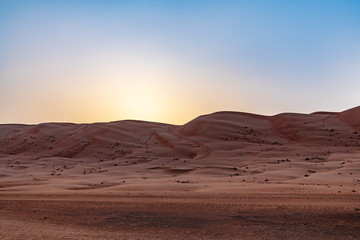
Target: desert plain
x=226, y=175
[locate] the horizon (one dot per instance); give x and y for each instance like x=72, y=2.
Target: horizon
x=170, y=62
x=206, y=114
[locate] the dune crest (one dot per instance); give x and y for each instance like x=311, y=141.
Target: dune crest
x=351, y=117
x=281, y=148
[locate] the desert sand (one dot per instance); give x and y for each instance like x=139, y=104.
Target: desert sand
x=226, y=175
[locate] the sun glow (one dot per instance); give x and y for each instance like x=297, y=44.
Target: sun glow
x=139, y=103
x=173, y=62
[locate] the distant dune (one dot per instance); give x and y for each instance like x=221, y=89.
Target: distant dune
x=210, y=144
x=220, y=157
x=131, y=139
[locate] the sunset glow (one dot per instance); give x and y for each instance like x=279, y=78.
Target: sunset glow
x=171, y=61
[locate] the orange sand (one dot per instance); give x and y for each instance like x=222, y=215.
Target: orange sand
x=226, y=175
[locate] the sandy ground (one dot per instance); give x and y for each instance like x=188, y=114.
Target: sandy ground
x=180, y=216
x=225, y=175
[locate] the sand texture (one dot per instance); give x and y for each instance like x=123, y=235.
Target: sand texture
x=226, y=175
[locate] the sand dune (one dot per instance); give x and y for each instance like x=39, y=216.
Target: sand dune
x=222, y=154
x=284, y=148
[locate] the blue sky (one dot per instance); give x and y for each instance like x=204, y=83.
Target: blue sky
x=170, y=61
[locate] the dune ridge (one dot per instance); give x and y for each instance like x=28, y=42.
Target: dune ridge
x=115, y=140
x=209, y=146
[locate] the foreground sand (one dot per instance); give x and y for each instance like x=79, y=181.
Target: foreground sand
x=180, y=216
x=221, y=176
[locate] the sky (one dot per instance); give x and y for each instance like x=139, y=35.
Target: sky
x=170, y=61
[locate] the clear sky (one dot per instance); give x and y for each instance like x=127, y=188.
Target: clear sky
x=170, y=61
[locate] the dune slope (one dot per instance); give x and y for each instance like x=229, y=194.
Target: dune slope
x=286, y=148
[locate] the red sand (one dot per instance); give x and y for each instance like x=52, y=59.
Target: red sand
x=226, y=175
